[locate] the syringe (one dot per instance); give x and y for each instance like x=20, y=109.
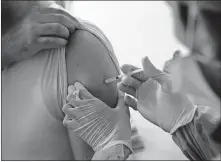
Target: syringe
x=122, y=75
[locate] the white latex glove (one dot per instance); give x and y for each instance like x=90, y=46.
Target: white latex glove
x=152, y=97
x=189, y=79
x=96, y=123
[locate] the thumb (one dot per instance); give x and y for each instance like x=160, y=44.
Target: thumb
x=83, y=92
x=149, y=68
x=121, y=103
x=71, y=89
x=156, y=74
x=72, y=93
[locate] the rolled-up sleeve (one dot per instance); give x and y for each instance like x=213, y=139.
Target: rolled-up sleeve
x=194, y=139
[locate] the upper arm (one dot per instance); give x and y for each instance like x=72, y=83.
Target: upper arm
x=89, y=62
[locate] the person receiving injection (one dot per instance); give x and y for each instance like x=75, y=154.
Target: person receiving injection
x=181, y=101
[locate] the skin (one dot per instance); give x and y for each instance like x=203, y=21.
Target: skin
x=44, y=137
x=32, y=26
x=96, y=66
x=91, y=72
x=36, y=139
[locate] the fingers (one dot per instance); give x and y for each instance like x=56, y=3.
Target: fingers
x=121, y=103
x=129, y=90
x=83, y=92
x=149, y=68
x=120, y=99
x=71, y=89
x=70, y=123
x=131, y=82
x=59, y=19
x=139, y=76
x=56, y=10
x=78, y=92
x=52, y=29
x=82, y=114
x=67, y=109
x=77, y=103
x=72, y=96
x=51, y=42
x=126, y=68
x=120, y=94
x=74, y=100
x=60, y=16
x=131, y=102
x=166, y=68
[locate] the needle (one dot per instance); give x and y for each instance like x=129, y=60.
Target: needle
x=122, y=75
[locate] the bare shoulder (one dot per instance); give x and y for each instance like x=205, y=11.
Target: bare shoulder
x=89, y=62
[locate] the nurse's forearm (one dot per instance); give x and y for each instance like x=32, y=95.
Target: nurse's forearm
x=195, y=140
x=115, y=152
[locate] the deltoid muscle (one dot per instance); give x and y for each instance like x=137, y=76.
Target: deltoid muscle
x=96, y=31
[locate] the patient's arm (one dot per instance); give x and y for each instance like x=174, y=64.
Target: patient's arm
x=89, y=62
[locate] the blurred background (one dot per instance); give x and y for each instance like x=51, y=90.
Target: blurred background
x=137, y=29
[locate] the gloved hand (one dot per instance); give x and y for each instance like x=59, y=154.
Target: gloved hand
x=95, y=122
x=190, y=77
x=41, y=28
x=152, y=97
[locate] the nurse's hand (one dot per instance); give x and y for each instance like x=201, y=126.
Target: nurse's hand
x=151, y=96
x=95, y=122
x=41, y=28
